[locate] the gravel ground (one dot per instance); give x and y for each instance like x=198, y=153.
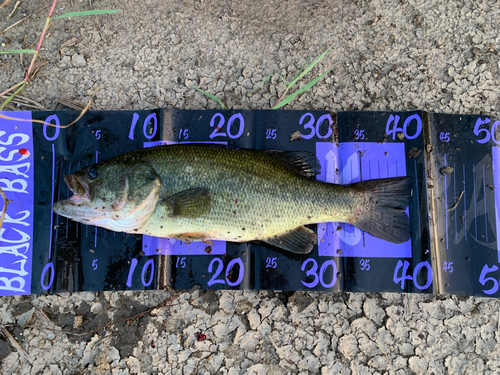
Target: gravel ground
x=438, y=56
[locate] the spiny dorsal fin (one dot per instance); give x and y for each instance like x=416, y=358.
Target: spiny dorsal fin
x=302, y=162
x=194, y=202
x=300, y=240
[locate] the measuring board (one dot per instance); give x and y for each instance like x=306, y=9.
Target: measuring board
x=453, y=247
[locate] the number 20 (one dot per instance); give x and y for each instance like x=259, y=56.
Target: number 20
x=230, y=122
x=220, y=267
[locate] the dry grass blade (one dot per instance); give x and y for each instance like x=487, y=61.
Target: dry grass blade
x=70, y=103
x=48, y=123
x=5, y=3
x=12, y=88
x=213, y=97
x=69, y=43
x=16, y=345
x=456, y=202
x=14, y=10
x=24, y=101
x=15, y=24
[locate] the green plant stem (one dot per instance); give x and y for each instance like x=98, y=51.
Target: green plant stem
x=47, y=24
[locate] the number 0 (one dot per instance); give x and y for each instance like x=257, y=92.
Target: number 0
x=230, y=122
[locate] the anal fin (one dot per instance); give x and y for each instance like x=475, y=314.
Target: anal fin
x=189, y=237
x=300, y=240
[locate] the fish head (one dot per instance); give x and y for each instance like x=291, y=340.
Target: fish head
x=113, y=195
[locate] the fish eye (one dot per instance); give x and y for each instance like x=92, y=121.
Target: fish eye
x=93, y=172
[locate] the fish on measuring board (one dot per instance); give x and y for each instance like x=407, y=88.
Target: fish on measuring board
x=203, y=192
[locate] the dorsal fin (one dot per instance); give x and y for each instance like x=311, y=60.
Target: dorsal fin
x=302, y=162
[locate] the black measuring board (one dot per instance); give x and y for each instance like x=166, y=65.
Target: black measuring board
x=42, y=253
x=350, y=147
x=465, y=171
x=390, y=144
x=223, y=265
x=69, y=256
x=272, y=268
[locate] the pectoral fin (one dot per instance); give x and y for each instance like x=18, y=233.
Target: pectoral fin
x=194, y=202
x=300, y=240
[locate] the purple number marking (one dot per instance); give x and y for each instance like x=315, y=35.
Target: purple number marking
x=352, y=162
x=149, y=264
x=16, y=180
x=133, y=264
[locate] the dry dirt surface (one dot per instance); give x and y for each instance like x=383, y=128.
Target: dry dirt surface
x=438, y=56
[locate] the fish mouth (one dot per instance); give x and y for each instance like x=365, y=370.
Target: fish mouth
x=75, y=206
x=79, y=188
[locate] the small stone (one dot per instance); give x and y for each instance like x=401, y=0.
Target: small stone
x=23, y=319
x=373, y=311
x=348, y=346
x=4, y=350
x=418, y=365
x=456, y=364
x=78, y=61
x=258, y=369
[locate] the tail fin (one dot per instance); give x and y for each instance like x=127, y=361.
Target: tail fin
x=385, y=216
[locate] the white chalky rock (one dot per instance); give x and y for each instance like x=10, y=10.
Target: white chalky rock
x=373, y=311
x=456, y=364
x=78, y=61
x=288, y=353
x=134, y=365
x=418, y=365
x=258, y=369
x=253, y=319
x=348, y=346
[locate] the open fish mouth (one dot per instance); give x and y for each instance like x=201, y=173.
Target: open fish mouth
x=78, y=206
x=79, y=188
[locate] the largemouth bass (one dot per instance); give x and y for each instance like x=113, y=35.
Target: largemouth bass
x=198, y=192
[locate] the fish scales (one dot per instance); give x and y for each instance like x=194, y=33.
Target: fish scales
x=253, y=195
